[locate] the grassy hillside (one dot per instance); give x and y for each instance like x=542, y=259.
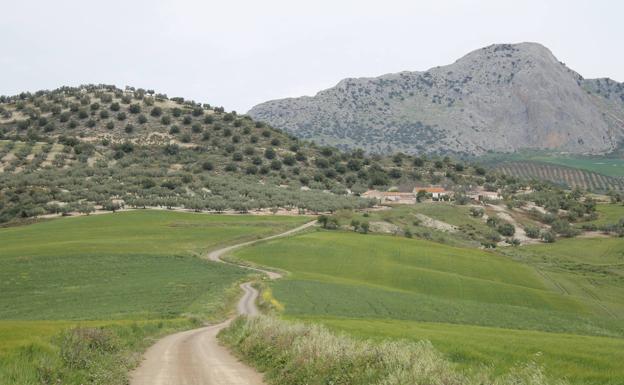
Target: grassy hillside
x=137, y=274
x=382, y=286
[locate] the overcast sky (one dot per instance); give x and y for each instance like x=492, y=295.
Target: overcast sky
x=239, y=53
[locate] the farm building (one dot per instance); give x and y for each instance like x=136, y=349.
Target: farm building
x=391, y=196
x=483, y=195
x=436, y=192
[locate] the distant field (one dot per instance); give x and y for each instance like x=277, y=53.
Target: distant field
x=564, y=175
x=605, y=166
x=117, y=269
x=377, y=286
x=609, y=166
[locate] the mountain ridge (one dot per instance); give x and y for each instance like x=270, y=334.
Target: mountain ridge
x=503, y=97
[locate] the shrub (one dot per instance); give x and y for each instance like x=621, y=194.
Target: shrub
x=81, y=346
x=142, y=119
x=156, y=112
x=129, y=128
x=477, y=212
x=114, y=107
x=207, y=165
x=165, y=120
x=121, y=116
x=549, y=236
x=171, y=149
x=532, y=232
x=289, y=160
x=563, y=228
x=251, y=170
x=134, y=108
x=187, y=120
x=506, y=229
x=269, y=153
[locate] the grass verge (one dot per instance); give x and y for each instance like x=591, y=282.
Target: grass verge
x=297, y=353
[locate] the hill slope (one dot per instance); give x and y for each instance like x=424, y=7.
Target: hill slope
x=97, y=146
x=502, y=97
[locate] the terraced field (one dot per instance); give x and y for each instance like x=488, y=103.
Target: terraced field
x=17, y=156
x=566, y=176
x=478, y=307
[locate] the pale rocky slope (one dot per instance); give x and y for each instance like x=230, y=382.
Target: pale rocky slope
x=502, y=97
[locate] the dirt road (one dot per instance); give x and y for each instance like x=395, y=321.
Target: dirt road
x=194, y=357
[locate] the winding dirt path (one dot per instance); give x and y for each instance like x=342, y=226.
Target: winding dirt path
x=194, y=357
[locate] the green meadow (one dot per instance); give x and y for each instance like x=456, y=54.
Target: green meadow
x=139, y=273
x=475, y=306
x=609, y=214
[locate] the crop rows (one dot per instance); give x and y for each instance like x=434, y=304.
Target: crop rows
x=16, y=156
x=568, y=176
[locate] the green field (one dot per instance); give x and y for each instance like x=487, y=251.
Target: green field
x=582, y=359
x=123, y=269
x=609, y=214
x=425, y=290
x=610, y=166
x=592, y=268
x=605, y=166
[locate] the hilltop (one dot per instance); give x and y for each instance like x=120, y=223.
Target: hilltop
x=78, y=149
x=502, y=98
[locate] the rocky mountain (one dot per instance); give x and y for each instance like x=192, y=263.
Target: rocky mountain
x=503, y=97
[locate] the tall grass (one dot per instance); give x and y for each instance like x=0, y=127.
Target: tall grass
x=297, y=353
x=84, y=355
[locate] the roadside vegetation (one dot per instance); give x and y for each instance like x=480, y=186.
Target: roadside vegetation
x=295, y=353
